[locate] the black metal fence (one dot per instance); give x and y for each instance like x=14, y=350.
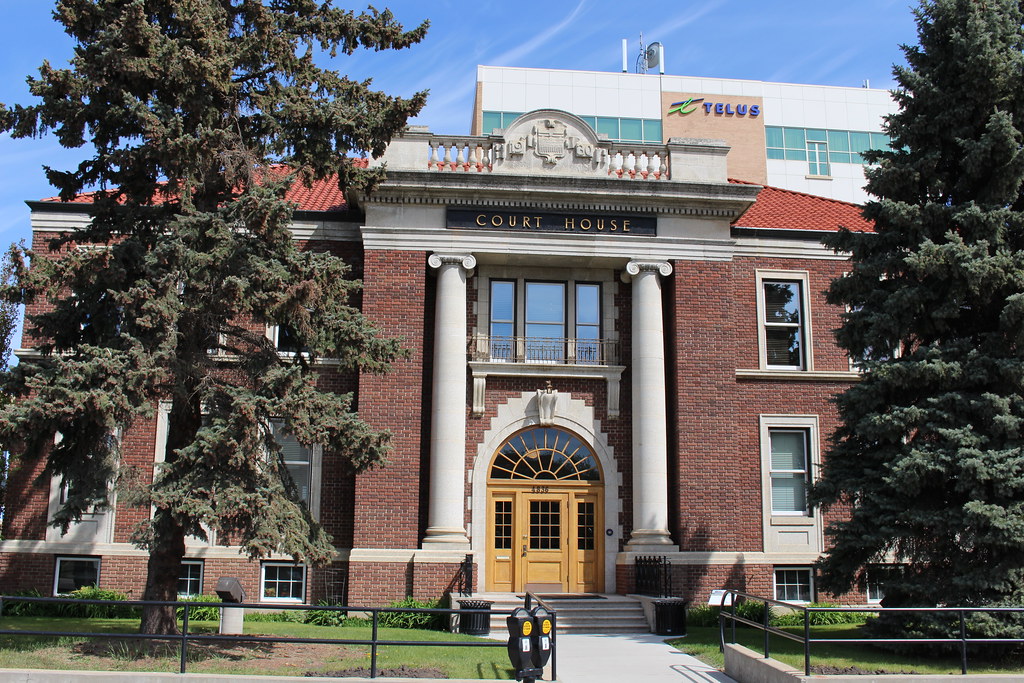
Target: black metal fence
x=653, y=575
x=185, y=638
x=731, y=598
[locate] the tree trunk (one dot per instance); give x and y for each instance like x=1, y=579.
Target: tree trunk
x=164, y=569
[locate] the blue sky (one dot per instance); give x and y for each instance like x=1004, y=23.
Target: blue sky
x=798, y=41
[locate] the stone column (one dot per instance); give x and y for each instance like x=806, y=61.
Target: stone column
x=446, y=507
x=650, y=420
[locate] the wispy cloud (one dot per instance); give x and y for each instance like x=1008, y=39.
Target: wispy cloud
x=510, y=57
x=663, y=31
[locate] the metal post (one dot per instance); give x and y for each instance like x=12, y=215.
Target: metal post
x=963, y=643
x=807, y=643
x=554, y=650
x=764, y=620
x=469, y=574
x=373, y=646
x=184, y=640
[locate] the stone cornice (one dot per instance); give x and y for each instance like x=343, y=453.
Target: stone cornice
x=561, y=193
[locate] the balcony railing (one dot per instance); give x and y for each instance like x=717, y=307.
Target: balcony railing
x=543, y=350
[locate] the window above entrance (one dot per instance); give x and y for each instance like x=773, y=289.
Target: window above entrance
x=552, y=322
x=545, y=453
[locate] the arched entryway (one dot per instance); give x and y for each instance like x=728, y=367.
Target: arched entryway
x=545, y=514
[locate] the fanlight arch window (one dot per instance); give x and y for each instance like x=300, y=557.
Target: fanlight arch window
x=546, y=453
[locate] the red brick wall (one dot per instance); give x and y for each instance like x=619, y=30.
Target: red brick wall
x=388, y=499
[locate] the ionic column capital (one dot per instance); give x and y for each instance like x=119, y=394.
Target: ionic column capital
x=663, y=268
x=467, y=261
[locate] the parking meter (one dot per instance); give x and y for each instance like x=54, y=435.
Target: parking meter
x=520, y=645
x=543, y=633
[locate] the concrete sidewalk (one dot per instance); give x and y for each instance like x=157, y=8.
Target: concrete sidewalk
x=634, y=657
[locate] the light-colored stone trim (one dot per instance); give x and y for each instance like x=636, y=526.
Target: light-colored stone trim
x=573, y=414
x=552, y=245
x=446, y=507
x=611, y=374
x=650, y=409
x=798, y=375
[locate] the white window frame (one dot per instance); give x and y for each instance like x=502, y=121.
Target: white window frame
x=810, y=579
x=806, y=471
x=103, y=519
x=777, y=526
x=74, y=558
x=263, y=583
x=571, y=279
x=802, y=278
x=316, y=461
x=202, y=571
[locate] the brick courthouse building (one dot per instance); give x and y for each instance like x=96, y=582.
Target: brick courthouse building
x=615, y=350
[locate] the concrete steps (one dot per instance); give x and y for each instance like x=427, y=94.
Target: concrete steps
x=604, y=614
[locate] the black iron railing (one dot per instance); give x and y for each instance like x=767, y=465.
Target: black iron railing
x=653, y=575
x=731, y=598
x=462, y=582
x=186, y=637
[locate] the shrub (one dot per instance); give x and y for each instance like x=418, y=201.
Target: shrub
x=326, y=617
x=79, y=611
x=293, y=615
x=205, y=613
x=16, y=608
x=753, y=610
x=703, y=615
x=796, y=618
x=429, y=621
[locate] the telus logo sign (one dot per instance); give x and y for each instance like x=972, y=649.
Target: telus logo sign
x=719, y=108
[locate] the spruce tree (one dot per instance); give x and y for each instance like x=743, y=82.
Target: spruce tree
x=201, y=113
x=927, y=465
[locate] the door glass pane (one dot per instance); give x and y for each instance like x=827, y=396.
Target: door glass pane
x=545, y=525
x=585, y=520
x=502, y=524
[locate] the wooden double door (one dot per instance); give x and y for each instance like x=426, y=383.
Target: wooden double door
x=545, y=538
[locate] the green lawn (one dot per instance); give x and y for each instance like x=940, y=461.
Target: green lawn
x=703, y=643
x=239, y=658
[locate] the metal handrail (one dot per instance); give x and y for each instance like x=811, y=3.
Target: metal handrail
x=730, y=596
x=530, y=597
x=185, y=637
x=553, y=350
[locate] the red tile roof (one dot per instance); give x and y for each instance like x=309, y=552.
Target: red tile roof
x=323, y=195
x=779, y=209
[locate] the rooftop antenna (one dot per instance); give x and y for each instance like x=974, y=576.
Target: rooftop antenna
x=641, y=60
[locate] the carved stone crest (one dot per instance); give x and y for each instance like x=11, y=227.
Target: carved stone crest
x=549, y=140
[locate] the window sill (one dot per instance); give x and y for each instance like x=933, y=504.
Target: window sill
x=799, y=375
x=481, y=370
x=818, y=177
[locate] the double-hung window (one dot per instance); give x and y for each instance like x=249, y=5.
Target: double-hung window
x=545, y=322
x=298, y=460
x=790, y=467
x=783, y=330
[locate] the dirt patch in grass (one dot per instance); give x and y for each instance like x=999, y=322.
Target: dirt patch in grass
x=856, y=671
x=398, y=672
x=242, y=657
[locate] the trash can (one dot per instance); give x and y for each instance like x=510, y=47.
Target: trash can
x=670, y=617
x=475, y=623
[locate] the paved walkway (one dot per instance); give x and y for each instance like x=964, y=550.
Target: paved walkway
x=633, y=657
